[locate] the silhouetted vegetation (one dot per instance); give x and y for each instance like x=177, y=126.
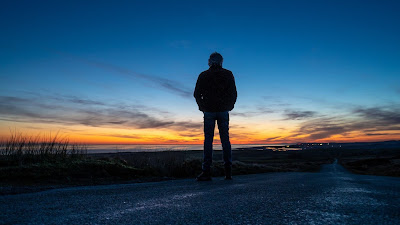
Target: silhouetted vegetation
x=24, y=150
x=180, y=164
x=53, y=160
x=381, y=162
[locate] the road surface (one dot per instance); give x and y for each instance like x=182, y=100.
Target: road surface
x=332, y=196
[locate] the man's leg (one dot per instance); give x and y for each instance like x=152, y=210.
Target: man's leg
x=209, y=126
x=223, y=127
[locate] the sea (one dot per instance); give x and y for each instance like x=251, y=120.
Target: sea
x=156, y=148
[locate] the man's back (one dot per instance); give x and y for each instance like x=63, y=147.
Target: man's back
x=215, y=90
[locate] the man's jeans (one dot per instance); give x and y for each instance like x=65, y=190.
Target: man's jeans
x=222, y=119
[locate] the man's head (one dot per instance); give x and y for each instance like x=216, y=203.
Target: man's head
x=215, y=59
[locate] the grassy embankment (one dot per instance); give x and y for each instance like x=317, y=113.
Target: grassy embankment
x=47, y=161
x=380, y=162
x=53, y=160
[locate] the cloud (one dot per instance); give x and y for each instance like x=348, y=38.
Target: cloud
x=324, y=128
x=74, y=99
x=76, y=111
x=190, y=134
x=121, y=136
x=260, y=110
x=189, y=125
x=370, y=121
x=380, y=116
x=377, y=134
x=166, y=84
x=140, y=138
x=298, y=115
x=273, y=138
x=275, y=101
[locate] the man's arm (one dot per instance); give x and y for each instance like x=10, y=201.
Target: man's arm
x=233, y=91
x=198, y=91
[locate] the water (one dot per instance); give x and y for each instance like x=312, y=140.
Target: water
x=154, y=148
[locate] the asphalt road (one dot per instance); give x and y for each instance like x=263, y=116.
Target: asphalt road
x=333, y=196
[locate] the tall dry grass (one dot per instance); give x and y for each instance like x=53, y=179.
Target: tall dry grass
x=22, y=149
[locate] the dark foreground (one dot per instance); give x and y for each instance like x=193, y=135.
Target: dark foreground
x=31, y=173
x=332, y=196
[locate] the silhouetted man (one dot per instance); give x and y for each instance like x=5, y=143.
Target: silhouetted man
x=216, y=95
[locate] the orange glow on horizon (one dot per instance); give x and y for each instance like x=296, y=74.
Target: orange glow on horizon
x=160, y=137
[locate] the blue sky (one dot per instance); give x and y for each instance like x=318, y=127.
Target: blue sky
x=333, y=64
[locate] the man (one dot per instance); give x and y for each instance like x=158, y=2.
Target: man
x=216, y=95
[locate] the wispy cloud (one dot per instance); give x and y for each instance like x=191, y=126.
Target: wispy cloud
x=368, y=121
x=298, y=115
x=135, y=137
x=128, y=136
x=74, y=99
x=54, y=110
x=259, y=110
x=387, y=117
x=324, y=127
x=377, y=134
x=167, y=84
x=190, y=134
x=272, y=139
x=164, y=83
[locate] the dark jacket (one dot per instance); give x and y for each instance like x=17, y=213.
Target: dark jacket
x=215, y=90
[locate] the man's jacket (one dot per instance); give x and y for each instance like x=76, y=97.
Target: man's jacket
x=215, y=90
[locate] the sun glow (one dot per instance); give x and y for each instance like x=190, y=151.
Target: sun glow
x=272, y=133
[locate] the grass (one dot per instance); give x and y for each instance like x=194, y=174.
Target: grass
x=48, y=160
x=181, y=164
x=22, y=150
x=380, y=162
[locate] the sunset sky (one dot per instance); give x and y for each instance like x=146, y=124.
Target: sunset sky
x=125, y=71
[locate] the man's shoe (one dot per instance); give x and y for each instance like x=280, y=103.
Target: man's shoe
x=204, y=176
x=228, y=173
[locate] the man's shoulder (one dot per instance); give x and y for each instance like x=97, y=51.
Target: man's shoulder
x=204, y=72
x=226, y=70
x=221, y=71
x=227, y=73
